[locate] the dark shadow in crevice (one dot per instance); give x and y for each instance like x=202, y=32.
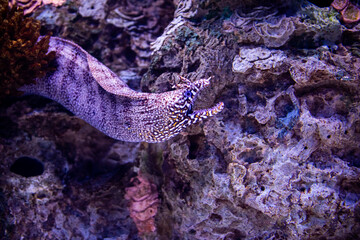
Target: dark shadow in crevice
x=27, y=167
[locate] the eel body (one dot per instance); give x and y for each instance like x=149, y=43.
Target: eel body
x=97, y=95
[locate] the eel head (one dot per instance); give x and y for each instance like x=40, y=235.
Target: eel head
x=180, y=108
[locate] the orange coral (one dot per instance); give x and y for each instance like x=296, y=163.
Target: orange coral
x=143, y=204
x=350, y=13
x=23, y=57
x=31, y=5
x=339, y=4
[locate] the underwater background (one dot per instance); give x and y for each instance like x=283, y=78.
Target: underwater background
x=281, y=161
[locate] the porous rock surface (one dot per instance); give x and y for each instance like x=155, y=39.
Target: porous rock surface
x=281, y=161
x=77, y=194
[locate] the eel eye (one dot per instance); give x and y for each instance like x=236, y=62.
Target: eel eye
x=188, y=94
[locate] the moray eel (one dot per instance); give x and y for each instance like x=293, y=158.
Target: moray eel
x=95, y=94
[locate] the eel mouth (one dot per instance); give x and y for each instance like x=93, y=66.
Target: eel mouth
x=196, y=115
x=205, y=113
x=193, y=92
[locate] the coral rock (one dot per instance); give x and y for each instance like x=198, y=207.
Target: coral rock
x=275, y=32
x=143, y=204
x=351, y=14
x=23, y=57
x=30, y=6
x=339, y=4
x=95, y=9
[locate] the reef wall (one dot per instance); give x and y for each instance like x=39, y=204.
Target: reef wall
x=281, y=161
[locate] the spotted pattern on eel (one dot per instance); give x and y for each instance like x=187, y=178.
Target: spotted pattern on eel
x=97, y=95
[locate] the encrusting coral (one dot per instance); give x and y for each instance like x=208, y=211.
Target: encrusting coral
x=143, y=203
x=22, y=56
x=339, y=4
x=268, y=26
x=30, y=6
x=350, y=13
